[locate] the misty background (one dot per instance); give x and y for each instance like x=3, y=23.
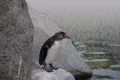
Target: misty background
x=87, y=19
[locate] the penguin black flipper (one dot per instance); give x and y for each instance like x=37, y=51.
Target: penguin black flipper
x=44, y=50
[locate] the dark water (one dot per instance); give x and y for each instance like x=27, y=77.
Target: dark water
x=104, y=62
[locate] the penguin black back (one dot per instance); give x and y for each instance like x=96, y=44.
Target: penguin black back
x=44, y=50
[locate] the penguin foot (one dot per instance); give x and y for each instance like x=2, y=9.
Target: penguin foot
x=55, y=68
x=48, y=69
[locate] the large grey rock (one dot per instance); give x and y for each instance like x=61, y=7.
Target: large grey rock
x=68, y=58
x=16, y=37
x=59, y=74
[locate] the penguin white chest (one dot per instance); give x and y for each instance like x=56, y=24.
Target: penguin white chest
x=52, y=52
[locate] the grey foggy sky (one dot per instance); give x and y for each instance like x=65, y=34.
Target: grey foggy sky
x=74, y=4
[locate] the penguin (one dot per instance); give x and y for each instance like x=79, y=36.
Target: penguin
x=50, y=49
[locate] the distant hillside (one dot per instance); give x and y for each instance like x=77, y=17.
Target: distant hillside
x=101, y=25
x=84, y=20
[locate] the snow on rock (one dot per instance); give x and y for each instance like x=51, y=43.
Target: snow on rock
x=59, y=74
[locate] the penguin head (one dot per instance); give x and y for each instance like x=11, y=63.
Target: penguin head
x=61, y=35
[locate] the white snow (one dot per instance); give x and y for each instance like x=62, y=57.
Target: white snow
x=96, y=53
x=100, y=60
x=59, y=74
x=97, y=60
x=114, y=45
